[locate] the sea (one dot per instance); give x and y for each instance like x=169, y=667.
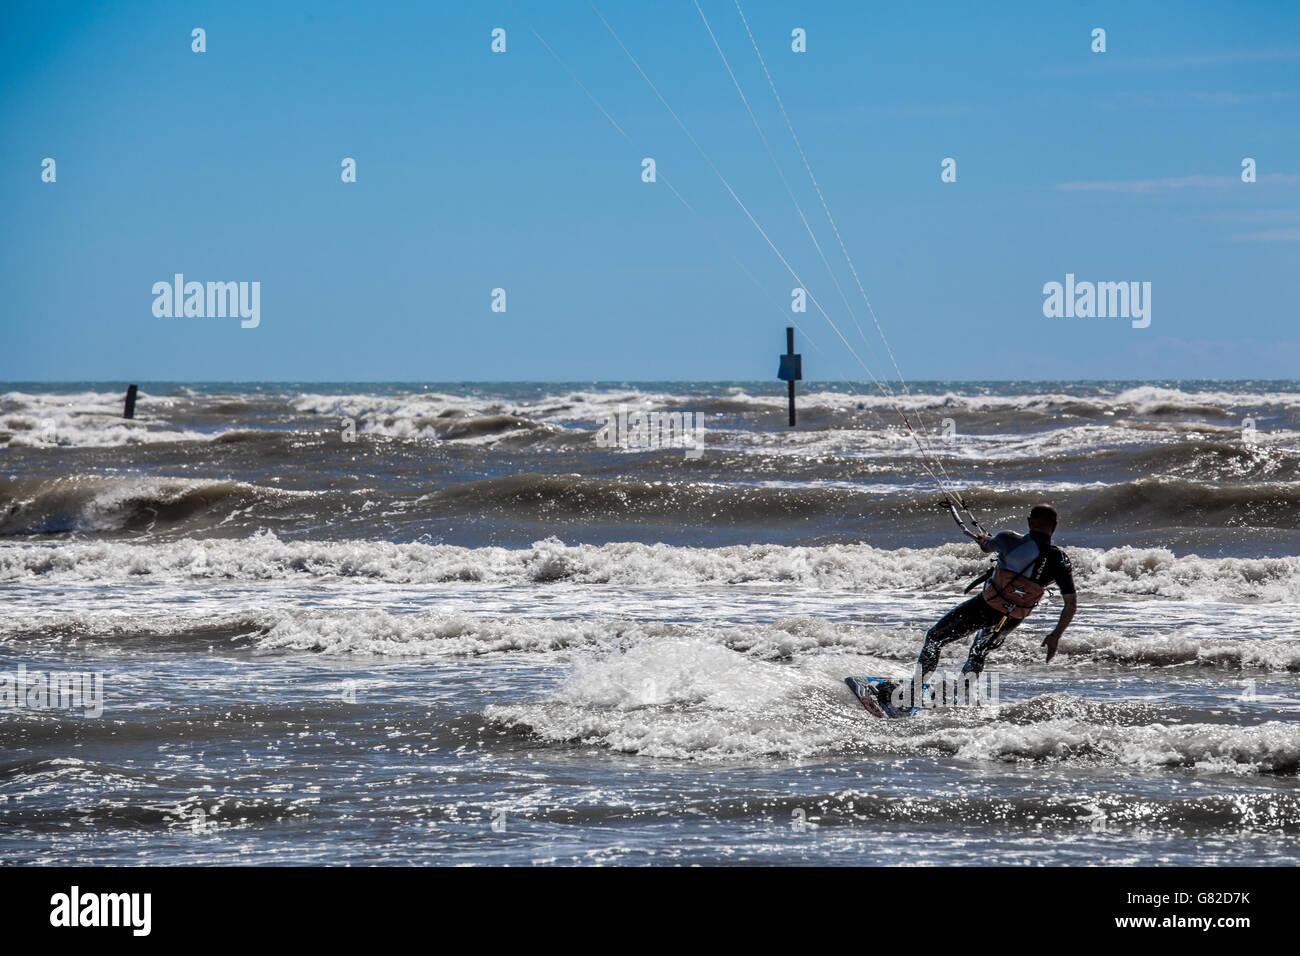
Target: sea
x=603, y=623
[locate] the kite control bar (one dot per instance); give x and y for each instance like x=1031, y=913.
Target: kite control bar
x=952, y=510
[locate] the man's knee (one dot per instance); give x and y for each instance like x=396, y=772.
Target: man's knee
x=941, y=634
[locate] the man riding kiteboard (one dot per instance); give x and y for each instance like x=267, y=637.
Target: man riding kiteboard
x=1026, y=565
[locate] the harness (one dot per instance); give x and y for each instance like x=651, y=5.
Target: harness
x=1015, y=593
x=1015, y=600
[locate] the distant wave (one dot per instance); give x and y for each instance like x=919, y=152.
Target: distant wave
x=93, y=504
x=1119, y=572
x=80, y=418
x=83, y=419
x=1125, y=504
x=808, y=639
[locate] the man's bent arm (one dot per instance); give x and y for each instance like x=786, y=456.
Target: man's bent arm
x=1067, y=615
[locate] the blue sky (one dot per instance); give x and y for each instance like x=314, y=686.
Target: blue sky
x=479, y=170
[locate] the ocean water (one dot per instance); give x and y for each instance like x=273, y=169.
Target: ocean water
x=358, y=624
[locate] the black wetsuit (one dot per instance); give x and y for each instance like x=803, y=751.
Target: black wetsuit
x=1046, y=564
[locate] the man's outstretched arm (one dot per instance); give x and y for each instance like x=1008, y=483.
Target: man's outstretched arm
x=1067, y=615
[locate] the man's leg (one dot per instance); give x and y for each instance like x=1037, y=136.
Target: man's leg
x=956, y=624
x=990, y=638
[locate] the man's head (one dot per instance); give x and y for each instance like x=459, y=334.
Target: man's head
x=1042, y=518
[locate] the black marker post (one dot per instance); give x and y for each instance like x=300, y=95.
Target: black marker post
x=791, y=369
x=129, y=410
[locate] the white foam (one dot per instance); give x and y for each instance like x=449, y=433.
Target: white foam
x=692, y=700
x=422, y=635
x=94, y=418
x=1272, y=747
x=685, y=699
x=1119, y=572
x=85, y=420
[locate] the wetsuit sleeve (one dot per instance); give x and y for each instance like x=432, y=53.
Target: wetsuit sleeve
x=1004, y=541
x=1064, y=576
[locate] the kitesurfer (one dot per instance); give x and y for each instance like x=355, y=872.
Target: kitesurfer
x=1026, y=565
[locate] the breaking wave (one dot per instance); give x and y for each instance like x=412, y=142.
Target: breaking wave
x=1114, y=573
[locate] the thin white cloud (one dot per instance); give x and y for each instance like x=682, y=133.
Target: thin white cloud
x=1252, y=216
x=1227, y=98
x=856, y=114
x=1172, y=99
x=1199, y=60
x=1269, y=235
x=1115, y=62
x=1171, y=182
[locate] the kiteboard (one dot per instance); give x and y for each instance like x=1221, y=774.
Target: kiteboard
x=868, y=691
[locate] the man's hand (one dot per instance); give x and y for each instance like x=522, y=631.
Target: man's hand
x=1050, y=642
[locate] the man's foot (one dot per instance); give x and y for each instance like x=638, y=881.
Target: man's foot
x=900, y=698
x=885, y=695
